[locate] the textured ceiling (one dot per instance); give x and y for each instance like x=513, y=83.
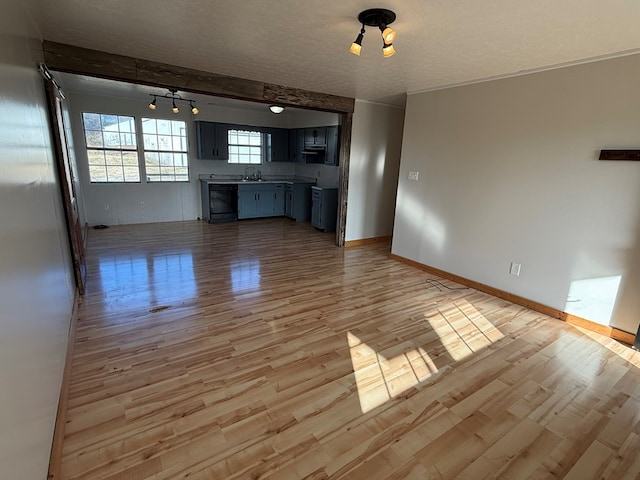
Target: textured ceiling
x=304, y=44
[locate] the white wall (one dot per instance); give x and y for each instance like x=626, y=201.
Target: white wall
x=376, y=140
x=36, y=291
x=159, y=202
x=509, y=172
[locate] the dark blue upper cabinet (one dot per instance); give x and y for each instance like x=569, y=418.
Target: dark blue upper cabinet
x=332, y=157
x=315, y=136
x=277, y=145
x=283, y=145
x=296, y=145
x=211, y=141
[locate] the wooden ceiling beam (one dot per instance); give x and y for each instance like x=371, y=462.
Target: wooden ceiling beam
x=95, y=63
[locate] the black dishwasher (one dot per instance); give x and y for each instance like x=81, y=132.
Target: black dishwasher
x=219, y=202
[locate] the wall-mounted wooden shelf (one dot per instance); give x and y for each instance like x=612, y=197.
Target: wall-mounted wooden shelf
x=619, y=154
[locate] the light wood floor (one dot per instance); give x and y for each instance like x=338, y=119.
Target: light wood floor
x=259, y=350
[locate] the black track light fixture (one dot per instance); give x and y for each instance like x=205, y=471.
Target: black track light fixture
x=356, y=46
x=381, y=18
x=173, y=96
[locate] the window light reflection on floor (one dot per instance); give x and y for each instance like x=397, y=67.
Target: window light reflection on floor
x=245, y=275
x=130, y=281
x=461, y=330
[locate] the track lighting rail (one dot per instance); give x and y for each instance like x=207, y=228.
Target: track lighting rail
x=173, y=96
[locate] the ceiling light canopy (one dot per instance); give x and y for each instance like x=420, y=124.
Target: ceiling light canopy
x=276, y=109
x=381, y=18
x=173, y=96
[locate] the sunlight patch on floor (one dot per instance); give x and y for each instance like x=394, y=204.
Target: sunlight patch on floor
x=459, y=328
x=462, y=329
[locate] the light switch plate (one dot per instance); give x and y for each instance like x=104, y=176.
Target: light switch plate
x=515, y=269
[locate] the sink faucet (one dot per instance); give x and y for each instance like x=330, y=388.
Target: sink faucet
x=250, y=173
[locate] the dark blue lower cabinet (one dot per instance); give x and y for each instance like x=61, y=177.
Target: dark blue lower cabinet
x=247, y=205
x=324, y=208
x=264, y=202
x=298, y=201
x=278, y=199
x=261, y=200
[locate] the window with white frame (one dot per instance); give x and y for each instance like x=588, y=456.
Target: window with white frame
x=165, y=150
x=111, y=148
x=245, y=147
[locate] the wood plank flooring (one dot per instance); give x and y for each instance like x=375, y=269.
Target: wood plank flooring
x=259, y=350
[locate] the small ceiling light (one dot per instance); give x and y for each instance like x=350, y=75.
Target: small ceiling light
x=173, y=96
x=381, y=18
x=356, y=46
x=276, y=109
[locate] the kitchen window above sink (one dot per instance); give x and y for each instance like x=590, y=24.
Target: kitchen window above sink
x=245, y=146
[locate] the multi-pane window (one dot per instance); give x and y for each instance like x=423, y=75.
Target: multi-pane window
x=165, y=150
x=245, y=146
x=111, y=148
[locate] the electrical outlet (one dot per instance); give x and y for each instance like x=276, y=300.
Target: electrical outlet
x=413, y=176
x=106, y=206
x=141, y=204
x=515, y=269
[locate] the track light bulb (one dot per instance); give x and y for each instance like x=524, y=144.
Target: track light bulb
x=388, y=50
x=152, y=105
x=175, y=109
x=194, y=109
x=389, y=35
x=356, y=46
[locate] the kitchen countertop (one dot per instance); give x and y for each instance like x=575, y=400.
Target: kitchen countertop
x=220, y=179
